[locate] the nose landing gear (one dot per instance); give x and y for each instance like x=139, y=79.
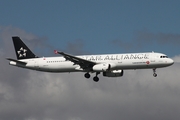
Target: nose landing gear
x=154, y=72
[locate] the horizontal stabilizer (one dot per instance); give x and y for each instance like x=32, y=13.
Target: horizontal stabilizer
x=17, y=61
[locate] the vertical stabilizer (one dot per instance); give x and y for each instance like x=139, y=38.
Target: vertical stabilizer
x=22, y=51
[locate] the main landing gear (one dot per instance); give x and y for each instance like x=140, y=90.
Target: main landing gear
x=154, y=72
x=87, y=75
x=96, y=78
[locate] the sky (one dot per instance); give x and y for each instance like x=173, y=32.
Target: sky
x=90, y=27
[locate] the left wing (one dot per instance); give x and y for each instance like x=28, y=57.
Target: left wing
x=84, y=64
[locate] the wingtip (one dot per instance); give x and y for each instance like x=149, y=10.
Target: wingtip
x=58, y=52
x=8, y=58
x=55, y=51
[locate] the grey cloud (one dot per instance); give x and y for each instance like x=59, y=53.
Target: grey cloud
x=127, y=45
x=177, y=59
x=33, y=95
x=70, y=96
x=36, y=43
x=146, y=38
x=161, y=38
x=75, y=47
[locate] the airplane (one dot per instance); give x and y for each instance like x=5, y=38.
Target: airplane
x=110, y=65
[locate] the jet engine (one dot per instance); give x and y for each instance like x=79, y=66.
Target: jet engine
x=114, y=73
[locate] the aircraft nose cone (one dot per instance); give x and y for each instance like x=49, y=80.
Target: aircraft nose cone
x=170, y=61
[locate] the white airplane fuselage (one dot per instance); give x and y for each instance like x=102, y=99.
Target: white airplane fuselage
x=117, y=61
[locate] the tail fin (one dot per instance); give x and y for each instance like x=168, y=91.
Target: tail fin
x=22, y=51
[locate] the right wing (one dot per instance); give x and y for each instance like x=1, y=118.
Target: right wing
x=84, y=64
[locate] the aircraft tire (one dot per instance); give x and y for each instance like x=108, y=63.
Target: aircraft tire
x=96, y=79
x=87, y=75
x=155, y=75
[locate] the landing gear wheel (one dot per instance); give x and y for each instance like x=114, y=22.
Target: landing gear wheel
x=96, y=79
x=155, y=75
x=87, y=75
x=154, y=72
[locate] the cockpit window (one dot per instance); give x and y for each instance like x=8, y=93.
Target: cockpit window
x=163, y=56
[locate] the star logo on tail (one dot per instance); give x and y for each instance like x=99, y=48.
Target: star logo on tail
x=22, y=52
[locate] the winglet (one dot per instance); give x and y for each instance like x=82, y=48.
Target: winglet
x=55, y=52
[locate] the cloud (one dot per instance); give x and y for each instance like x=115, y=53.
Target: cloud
x=33, y=95
x=160, y=38
x=177, y=59
x=146, y=38
x=75, y=47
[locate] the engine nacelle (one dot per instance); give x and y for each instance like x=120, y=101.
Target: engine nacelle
x=101, y=67
x=114, y=73
x=104, y=67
